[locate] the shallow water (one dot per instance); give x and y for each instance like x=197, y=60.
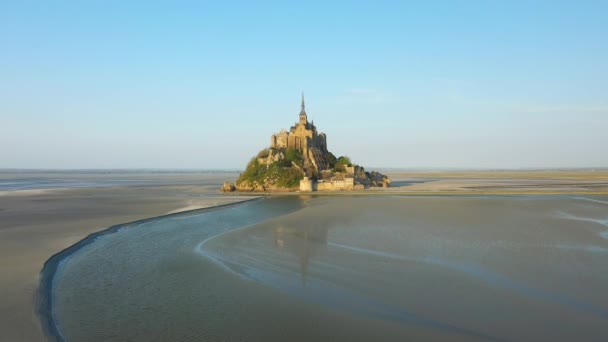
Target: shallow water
x=11, y=180
x=347, y=268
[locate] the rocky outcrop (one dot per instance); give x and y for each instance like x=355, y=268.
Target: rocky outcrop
x=264, y=187
x=228, y=187
x=269, y=156
x=378, y=179
x=279, y=170
x=317, y=159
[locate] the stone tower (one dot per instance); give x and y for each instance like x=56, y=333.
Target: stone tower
x=303, y=136
x=303, y=117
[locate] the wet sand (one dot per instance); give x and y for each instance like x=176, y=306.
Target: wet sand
x=35, y=224
x=348, y=268
x=499, y=183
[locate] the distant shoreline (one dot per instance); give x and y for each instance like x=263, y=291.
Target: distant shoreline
x=466, y=183
x=420, y=193
x=237, y=170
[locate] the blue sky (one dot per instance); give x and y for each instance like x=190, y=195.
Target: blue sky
x=180, y=84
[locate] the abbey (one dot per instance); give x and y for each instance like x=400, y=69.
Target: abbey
x=303, y=136
x=298, y=159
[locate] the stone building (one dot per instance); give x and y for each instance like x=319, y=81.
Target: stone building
x=303, y=136
x=335, y=183
x=320, y=169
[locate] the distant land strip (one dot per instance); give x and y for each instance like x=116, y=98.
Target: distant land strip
x=431, y=193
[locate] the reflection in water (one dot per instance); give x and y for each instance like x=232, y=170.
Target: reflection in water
x=260, y=262
x=353, y=268
x=491, y=278
x=302, y=242
x=497, y=268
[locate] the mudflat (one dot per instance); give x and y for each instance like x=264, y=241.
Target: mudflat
x=554, y=182
x=347, y=269
x=42, y=213
x=37, y=223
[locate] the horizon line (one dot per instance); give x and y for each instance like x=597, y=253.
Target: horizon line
x=228, y=169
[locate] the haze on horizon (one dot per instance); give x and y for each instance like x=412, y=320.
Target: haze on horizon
x=111, y=84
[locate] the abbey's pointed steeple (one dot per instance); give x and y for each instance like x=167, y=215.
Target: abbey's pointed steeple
x=303, y=118
x=303, y=111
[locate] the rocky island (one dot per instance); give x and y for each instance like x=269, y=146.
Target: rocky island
x=298, y=160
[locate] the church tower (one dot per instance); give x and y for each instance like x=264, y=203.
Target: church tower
x=303, y=118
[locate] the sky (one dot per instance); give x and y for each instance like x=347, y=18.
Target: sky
x=203, y=85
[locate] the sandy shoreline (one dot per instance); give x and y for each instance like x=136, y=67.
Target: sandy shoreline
x=36, y=224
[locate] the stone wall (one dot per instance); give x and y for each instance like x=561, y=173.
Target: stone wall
x=306, y=184
x=280, y=140
x=336, y=184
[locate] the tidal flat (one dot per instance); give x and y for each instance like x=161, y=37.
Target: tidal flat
x=45, y=212
x=345, y=268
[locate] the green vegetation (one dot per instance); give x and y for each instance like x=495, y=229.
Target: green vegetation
x=286, y=168
x=344, y=160
x=292, y=156
x=286, y=177
x=284, y=173
x=341, y=163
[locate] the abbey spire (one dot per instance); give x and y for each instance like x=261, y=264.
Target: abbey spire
x=303, y=111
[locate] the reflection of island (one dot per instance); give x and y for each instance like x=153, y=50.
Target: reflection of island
x=305, y=240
